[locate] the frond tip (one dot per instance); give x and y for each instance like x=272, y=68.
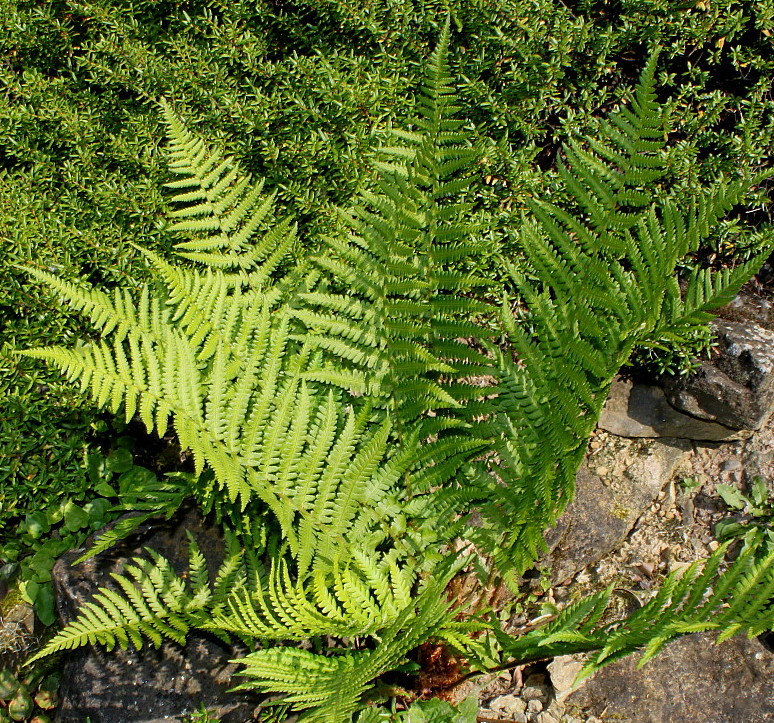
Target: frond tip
x=154, y=603
x=219, y=209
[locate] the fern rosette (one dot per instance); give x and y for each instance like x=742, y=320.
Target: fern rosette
x=358, y=414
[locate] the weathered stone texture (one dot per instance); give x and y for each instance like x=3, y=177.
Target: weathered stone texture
x=690, y=681
x=642, y=410
x=609, y=500
x=734, y=388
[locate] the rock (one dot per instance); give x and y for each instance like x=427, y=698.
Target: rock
x=757, y=454
x=734, y=388
x=509, y=704
x=563, y=671
x=151, y=684
x=605, y=509
x=642, y=410
x=749, y=307
x=535, y=679
x=534, y=692
x=691, y=681
x=21, y=614
x=731, y=465
x=534, y=706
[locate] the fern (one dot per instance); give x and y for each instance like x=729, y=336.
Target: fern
x=696, y=599
x=333, y=687
x=155, y=604
x=594, y=285
x=221, y=210
x=329, y=404
x=398, y=338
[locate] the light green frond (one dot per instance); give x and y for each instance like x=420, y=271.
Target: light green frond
x=118, y=314
x=155, y=604
x=221, y=211
x=312, y=682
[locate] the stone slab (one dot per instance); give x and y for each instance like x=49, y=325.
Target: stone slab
x=642, y=410
x=609, y=499
x=690, y=681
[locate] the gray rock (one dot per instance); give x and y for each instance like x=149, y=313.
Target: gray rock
x=736, y=387
x=642, y=410
x=749, y=307
x=607, y=505
x=691, y=681
x=150, y=684
x=510, y=704
x=534, y=692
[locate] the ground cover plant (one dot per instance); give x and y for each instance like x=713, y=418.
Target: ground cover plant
x=293, y=87
x=369, y=419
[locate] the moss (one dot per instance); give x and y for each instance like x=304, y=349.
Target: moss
x=10, y=601
x=620, y=512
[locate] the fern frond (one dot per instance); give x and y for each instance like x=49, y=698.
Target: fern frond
x=592, y=286
x=342, y=603
x=116, y=315
x=701, y=597
x=160, y=498
x=394, y=336
x=314, y=682
x=155, y=604
x=221, y=210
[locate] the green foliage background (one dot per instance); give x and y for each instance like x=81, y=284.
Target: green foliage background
x=297, y=84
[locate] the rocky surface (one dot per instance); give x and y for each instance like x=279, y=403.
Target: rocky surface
x=618, y=481
x=749, y=306
x=642, y=410
x=17, y=633
x=151, y=684
x=736, y=386
x=690, y=681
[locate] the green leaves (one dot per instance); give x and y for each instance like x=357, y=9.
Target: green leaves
x=754, y=511
x=596, y=280
x=729, y=597
x=222, y=210
x=155, y=604
x=397, y=341
x=346, y=410
x=315, y=682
